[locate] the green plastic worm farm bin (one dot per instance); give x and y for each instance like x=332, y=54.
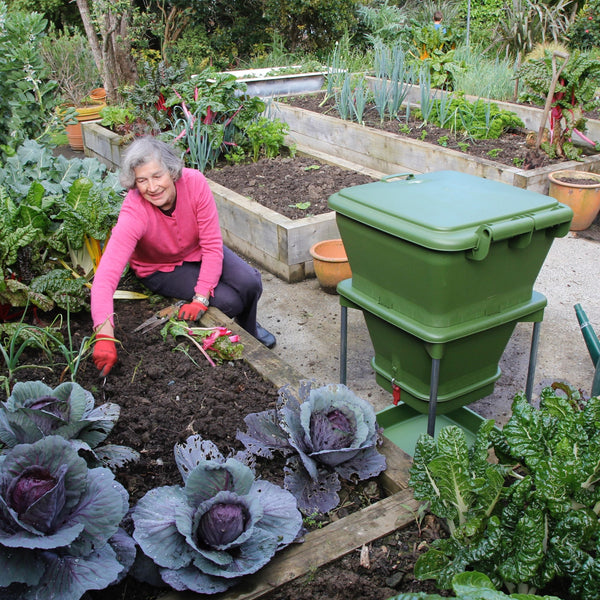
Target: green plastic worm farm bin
x=468, y=353
x=444, y=248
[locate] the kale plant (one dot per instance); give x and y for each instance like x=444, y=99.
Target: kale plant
x=221, y=525
x=59, y=524
x=327, y=433
x=531, y=517
x=35, y=410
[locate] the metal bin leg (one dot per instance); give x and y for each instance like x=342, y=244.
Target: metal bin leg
x=535, y=338
x=433, y=389
x=343, y=343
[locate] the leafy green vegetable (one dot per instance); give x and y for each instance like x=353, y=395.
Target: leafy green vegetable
x=532, y=516
x=59, y=523
x=472, y=586
x=50, y=208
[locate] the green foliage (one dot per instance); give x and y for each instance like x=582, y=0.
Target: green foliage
x=487, y=77
x=27, y=95
x=193, y=49
x=385, y=23
x=575, y=93
x=479, y=119
x=214, y=116
x=532, y=516
x=471, y=586
x=266, y=137
x=313, y=25
x=49, y=206
x=523, y=23
x=147, y=97
x=584, y=33
x=68, y=55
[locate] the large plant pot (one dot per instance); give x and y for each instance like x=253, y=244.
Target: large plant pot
x=330, y=263
x=581, y=191
x=84, y=114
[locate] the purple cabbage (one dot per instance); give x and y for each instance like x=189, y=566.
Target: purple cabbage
x=60, y=532
x=35, y=410
x=221, y=525
x=327, y=433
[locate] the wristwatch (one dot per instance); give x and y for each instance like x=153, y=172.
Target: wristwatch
x=203, y=299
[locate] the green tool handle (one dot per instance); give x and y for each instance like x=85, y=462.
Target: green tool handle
x=589, y=335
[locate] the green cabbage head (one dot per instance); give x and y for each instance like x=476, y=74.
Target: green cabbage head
x=221, y=525
x=59, y=524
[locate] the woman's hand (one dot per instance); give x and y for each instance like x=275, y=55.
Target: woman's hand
x=105, y=353
x=192, y=311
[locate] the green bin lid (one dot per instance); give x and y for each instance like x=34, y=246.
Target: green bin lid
x=450, y=211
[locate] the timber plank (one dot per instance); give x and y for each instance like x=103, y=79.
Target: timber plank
x=323, y=546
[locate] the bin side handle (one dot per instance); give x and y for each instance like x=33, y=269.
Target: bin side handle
x=406, y=176
x=486, y=234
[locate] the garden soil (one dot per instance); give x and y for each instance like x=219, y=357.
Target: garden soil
x=165, y=396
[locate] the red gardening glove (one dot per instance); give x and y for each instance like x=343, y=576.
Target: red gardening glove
x=105, y=354
x=192, y=311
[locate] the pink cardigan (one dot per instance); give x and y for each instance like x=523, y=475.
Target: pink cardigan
x=151, y=241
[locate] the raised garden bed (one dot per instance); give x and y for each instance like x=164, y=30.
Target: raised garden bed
x=392, y=153
x=268, y=82
x=164, y=398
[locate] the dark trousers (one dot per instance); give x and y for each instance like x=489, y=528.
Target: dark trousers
x=236, y=294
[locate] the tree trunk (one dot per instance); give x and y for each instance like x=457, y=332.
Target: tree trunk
x=86, y=17
x=110, y=43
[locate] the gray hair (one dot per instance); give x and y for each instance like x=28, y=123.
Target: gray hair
x=144, y=150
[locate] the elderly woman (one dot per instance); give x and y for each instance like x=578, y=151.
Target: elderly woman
x=168, y=231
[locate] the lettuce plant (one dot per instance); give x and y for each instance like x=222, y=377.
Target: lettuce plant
x=527, y=519
x=221, y=525
x=35, y=410
x=59, y=524
x=327, y=433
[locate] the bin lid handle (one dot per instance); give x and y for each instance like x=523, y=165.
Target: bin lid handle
x=499, y=231
x=406, y=176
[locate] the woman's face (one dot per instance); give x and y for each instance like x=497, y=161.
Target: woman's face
x=155, y=184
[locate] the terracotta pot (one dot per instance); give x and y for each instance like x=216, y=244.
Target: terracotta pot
x=75, y=136
x=331, y=264
x=98, y=94
x=581, y=191
x=84, y=113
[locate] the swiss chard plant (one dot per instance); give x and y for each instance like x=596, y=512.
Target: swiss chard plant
x=60, y=533
x=52, y=211
x=221, y=525
x=34, y=410
x=327, y=434
x=528, y=518
x=471, y=586
x=574, y=94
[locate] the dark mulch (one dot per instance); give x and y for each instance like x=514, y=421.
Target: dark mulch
x=284, y=184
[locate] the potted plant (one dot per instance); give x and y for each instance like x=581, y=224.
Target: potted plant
x=581, y=191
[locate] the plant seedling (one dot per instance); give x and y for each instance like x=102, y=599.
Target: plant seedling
x=300, y=205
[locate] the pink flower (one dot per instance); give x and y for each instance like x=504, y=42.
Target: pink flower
x=234, y=338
